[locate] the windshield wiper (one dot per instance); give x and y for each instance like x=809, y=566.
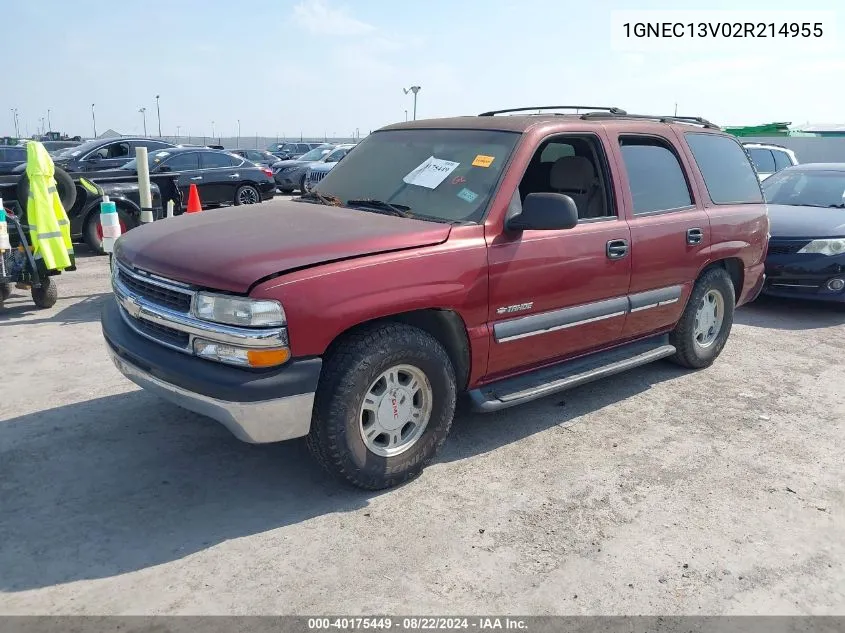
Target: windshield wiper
x=331, y=201
x=399, y=210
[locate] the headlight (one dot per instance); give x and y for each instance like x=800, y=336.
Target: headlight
x=825, y=247
x=241, y=356
x=238, y=310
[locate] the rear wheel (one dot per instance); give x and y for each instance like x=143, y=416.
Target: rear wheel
x=92, y=234
x=247, y=194
x=384, y=406
x=705, y=325
x=46, y=295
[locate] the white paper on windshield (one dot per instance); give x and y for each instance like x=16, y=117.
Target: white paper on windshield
x=431, y=172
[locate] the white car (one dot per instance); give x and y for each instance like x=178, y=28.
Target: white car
x=770, y=159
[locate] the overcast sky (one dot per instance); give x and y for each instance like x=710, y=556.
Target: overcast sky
x=330, y=66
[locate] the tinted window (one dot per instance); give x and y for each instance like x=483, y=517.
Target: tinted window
x=655, y=175
x=304, y=147
x=762, y=159
x=781, y=159
x=727, y=172
x=183, y=162
x=215, y=159
x=252, y=154
x=13, y=154
x=553, y=151
x=814, y=188
x=113, y=150
x=150, y=145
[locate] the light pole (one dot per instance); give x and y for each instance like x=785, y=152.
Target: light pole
x=406, y=115
x=239, y=132
x=94, y=120
x=143, y=112
x=178, y=127
x=158, y=114
x=49, y=125
x=415, y=90
x=15, y=119
x=212, y=130
x=40, y=125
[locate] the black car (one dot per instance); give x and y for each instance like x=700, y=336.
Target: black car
x=290, y=174
x=11, y=157
x=806, y=257
x=257, y=156
x=100, y=154
x=287, y=151
x=221, y=177
x=54, y=147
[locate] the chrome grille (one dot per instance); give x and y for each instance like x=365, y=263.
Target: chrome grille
x=163, y=334
x=317, y=176
x=155, y=292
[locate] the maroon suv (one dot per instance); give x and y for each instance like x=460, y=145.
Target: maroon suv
x=508, y=257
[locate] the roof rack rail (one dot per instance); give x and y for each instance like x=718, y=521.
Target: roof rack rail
x=608, y=109
x=763, y=143
x=652, y=117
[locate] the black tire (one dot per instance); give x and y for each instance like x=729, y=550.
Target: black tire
x=247, y=191
x=45, y=296
x=287, y=192
x=89, y=231
x=336, y=439
x=65, y=187
x=690, y=353
x=5, y=291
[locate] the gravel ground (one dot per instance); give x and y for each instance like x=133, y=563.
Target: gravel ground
x=657, y=491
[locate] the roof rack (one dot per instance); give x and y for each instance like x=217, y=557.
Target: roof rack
x=611, y=110
x=662, y=119
x=763, y=143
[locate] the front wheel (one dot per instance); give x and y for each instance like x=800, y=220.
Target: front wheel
x=247, y=194
x=46, y=295
x=705, y=325
x=384, y=406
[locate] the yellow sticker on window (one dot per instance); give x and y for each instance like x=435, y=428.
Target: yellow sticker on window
x=483, y=161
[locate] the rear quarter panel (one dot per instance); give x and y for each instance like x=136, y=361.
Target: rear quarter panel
x=324, y=301
x=739, y=231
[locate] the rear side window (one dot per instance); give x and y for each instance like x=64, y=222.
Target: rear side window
x=655, y=175
x=213, y=159
x=781, y=159
x=762, y=159
x=724, y=165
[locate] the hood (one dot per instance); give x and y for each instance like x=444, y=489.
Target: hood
x=793, y=222
x=288, y=163
x=233, y=248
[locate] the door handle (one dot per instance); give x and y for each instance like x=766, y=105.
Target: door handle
x=234, y=175
x=695, y=236
x=196, y=178
x=617, y=249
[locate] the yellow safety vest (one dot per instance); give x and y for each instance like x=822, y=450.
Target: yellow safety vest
x=45, y=215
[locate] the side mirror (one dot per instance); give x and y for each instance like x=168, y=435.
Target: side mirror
x=545, y=212
x=164, y=168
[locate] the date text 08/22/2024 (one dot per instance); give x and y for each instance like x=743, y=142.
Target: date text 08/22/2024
x=417, y=623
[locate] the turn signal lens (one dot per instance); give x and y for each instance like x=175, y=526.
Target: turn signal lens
x=267, y=357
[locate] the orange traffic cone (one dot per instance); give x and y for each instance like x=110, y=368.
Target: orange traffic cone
x=194, y=205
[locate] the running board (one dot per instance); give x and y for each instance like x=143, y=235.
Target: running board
x=543, y=382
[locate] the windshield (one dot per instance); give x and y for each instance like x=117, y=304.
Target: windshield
x=153, y=159
x=448, y=175
x=806, y=188
x=78, y=150
x=315, y=154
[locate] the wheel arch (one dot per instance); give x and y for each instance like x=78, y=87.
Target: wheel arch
x=446, y=326
x=735, y=268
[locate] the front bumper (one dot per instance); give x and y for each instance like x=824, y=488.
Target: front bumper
x=804, y=276
x=289, y=179
x=256, y=406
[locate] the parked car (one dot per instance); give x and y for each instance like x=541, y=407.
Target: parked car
x=11, y=156
x=806, y=257
x=288, y=151
x=290, y=174
x=221, y=177
x=100, y=154
x=315, y=172
x=509, y=257
x=769, y=159
x=257, y=156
